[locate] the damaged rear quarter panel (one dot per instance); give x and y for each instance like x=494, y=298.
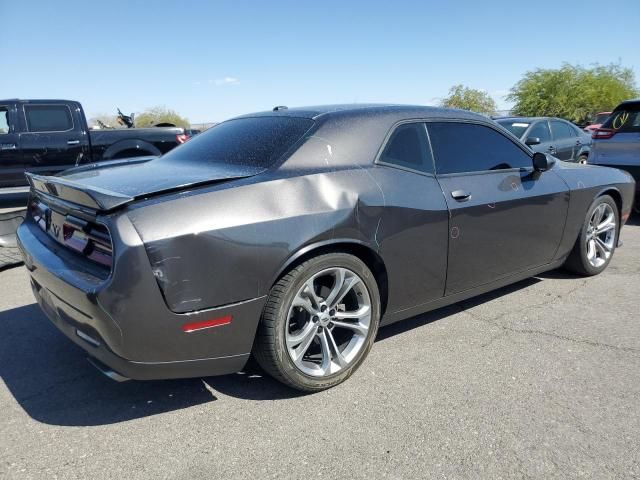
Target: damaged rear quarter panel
x=227, y=245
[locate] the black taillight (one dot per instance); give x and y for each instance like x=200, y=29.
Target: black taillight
x=89, y=239
x=38, y=212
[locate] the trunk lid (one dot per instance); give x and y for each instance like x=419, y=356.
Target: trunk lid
x=110, y=185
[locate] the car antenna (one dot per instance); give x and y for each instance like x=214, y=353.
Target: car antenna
x=280, y=107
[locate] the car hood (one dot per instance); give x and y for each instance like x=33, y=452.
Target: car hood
x=106, y=186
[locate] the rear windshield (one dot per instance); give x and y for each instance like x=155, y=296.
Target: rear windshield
x=254, y=142
x=627, y=119
x=517, y=128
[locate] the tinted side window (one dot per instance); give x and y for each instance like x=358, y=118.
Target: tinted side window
x=464, y=147
x=48, y=118
x=541, y=130
x=560, y=130
x=575, y=131
x=408, y=147
x=4, y=120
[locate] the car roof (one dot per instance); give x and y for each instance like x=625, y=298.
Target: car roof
x=633, y=101
x=40, y=100
x=369, y=109
x=529, y=119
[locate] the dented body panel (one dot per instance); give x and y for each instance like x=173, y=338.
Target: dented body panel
x=193, y=242
x=254, y=230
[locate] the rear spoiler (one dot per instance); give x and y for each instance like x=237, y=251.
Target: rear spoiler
x=95, y=198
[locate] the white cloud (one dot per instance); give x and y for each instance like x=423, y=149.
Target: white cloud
x=226, y=81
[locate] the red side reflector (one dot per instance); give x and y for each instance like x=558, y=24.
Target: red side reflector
x=216, y=322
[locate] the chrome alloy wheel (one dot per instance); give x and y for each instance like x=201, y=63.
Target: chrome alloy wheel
x=328, y=322
x=601, y=235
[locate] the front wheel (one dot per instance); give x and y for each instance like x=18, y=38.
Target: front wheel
x=319, y=322
x=597, y=240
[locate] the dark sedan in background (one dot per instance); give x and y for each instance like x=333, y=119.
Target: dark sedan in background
x=293, y=234
x=551, y=135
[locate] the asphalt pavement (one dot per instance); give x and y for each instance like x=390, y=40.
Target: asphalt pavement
x=537, y=380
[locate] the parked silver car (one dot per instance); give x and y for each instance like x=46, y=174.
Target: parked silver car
x=551, y=135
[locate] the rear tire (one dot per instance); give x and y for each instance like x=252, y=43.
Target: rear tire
x=582, y=159
x=598, y=238
x=319, y=322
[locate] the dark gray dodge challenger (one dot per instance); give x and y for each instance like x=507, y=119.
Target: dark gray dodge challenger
x=294, y=234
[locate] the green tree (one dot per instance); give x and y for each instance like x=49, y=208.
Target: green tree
x=572, y=91
x=469, y=99
x=153, y=116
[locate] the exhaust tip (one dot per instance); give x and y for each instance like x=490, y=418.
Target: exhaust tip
x=102, y=368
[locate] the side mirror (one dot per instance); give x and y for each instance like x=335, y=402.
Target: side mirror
x=541, y=163
x=532, y=141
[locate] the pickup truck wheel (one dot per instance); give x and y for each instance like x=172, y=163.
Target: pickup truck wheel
x=319, y=322
x=597, y=240
x=131, y=153
x=582, y=159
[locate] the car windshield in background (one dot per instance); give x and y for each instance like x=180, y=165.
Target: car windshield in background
x=626, y=119
x=254, y=142
x=601, y=118
x=517, y=128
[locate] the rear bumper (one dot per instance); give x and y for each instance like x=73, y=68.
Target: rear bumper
x=62, y=316
x=123, y=321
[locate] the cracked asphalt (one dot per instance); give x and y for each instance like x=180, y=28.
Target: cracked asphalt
x=537, y=380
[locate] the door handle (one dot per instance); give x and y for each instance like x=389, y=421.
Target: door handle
x=8, y=146
x=460, y=195
x=73, y=142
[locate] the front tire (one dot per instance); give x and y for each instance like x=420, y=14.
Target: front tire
x=319, y=322
x=597, y=240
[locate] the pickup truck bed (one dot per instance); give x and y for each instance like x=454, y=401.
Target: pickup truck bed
x=48, y=136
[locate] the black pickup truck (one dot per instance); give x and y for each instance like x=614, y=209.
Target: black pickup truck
x=48, y=136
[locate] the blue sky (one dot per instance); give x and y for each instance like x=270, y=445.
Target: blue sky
x=211, y=60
